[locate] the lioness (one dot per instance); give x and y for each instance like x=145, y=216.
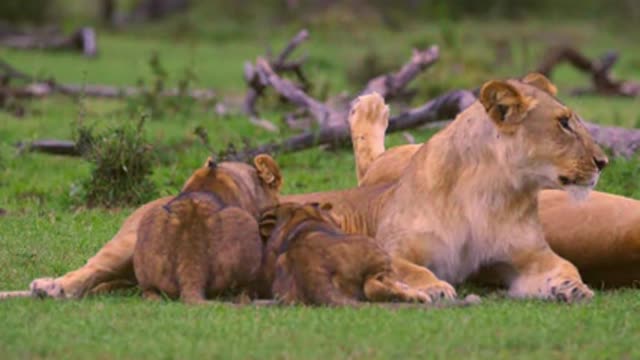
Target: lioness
x=600, y=235
x=205, y=242
x=468, y=197
x=606, y=256
x=318, y=264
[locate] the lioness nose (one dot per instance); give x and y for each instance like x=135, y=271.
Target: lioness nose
x=601, y=162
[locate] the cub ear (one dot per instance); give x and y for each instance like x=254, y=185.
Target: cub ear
x=504, y=104
x=210, y=163
x=268, y=171
x=326, y=206
x=541, y=82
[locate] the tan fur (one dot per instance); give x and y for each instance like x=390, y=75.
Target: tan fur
x=205, y=243
x=318, y=264
x=601, y=235
x=467, y=198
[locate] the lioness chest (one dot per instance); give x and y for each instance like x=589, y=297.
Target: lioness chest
x=452, y=251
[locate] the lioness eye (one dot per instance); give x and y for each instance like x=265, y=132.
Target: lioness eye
x=564, y=122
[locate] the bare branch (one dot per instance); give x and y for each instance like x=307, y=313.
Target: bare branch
x=390, y=85
x=599, y=70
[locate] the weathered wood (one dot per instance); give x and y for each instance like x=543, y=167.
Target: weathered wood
x=36, y=88
x=257, y=82
x=390, y=85
x=440, y=108
x=599, y=71
x=621, y=141
x=83, y=40
x=55, y=147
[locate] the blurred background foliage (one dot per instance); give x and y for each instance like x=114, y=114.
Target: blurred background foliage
x=390, y=13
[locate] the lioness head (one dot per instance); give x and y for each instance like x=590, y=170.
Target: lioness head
x=541, y=135
x=259, y=183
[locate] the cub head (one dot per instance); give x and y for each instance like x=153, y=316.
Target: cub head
x=258, y=184
x=541, y=136
x=281, y=223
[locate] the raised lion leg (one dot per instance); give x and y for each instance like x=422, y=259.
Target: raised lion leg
x=543, y=274
x=368, y=120
x=113, y=262
x=422, y=279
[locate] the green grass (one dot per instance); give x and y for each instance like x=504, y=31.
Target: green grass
x=46, y=232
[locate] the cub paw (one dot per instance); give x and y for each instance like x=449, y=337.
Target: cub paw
x=569, y=291
x=46, y=288
x=439, y=290
x=369, y=111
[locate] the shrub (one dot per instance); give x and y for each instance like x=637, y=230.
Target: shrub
x=122, y=165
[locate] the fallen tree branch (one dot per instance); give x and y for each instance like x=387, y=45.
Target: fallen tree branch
x=54, y=147
x=599, y=70
x=257, y=83
x=37, y=88
x=83, y=40
x=326, y=116
x=390, y=85
x=621, y=141
x=446, y=106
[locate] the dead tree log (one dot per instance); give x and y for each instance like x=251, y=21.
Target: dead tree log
x=36, y=88
x=390, y=85
x=54, y=147
x=621, y=141
x=83, y=40
x=257, y=83
x=599, y=70
x=446, y=106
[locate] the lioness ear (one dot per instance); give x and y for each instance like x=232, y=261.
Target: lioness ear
x=504, y=104
x=268, y=171
x=541, y=82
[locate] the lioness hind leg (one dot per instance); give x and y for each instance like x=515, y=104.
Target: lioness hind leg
x=383, y=288
x=368, y=121
x=545, y=275
x=420, y=278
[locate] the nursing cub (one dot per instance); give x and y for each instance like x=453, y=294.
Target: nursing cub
x=318, y=264
x=205, y=242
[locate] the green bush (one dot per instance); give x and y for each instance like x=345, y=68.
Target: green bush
x=122, y=165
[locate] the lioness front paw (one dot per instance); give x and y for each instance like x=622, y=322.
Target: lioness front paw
x=46, y=287
x=409, y=294
x=569, y=290
x=439, y=290
x=369, y=111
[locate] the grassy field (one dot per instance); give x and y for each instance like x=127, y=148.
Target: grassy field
x=47, y=231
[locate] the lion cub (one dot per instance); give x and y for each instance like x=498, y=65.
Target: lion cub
x=205, y=242
x=318, y=264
